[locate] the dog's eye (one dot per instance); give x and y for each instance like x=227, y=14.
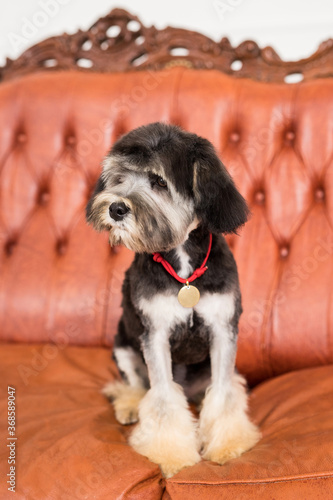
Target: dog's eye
x=161, y=182
x=157, y=181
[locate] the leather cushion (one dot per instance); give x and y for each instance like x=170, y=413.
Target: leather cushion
x=70, y=446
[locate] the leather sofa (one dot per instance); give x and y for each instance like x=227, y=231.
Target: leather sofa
x=60, y=282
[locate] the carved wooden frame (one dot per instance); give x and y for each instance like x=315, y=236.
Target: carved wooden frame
x=119, y=42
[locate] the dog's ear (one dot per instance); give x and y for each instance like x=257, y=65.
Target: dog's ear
x=218, y=203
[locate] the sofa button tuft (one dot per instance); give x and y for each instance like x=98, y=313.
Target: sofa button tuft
x=289, y=136
x=319, y=194
x=234, y=137
x=259, y=197
x=284, y=252
x=71, y=140
x=61, y=247
x=43, y=198
x=21, y=137
x=9, y=247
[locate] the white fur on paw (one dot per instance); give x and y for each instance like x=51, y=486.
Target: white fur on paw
x=166, y=432
x=125, y=400
x=225, y=429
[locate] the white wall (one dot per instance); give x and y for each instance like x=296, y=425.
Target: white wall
x=293, y=27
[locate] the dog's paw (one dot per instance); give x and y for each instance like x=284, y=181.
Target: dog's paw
x=127, y=415
x=225, y=428
x=166, y=433
x=175, y=464
x=170, y=449
x=125, y=400
x=235, y=439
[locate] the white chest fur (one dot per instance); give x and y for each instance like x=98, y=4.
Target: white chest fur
x=165, y=312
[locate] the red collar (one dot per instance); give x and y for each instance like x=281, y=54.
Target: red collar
x=197, y=273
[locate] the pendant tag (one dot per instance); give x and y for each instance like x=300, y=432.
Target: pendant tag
x=188, y=295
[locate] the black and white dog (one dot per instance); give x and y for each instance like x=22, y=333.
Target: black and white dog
x=165, y=194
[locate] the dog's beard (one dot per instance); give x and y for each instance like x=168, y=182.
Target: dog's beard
x=136, y=240
x=124, y=236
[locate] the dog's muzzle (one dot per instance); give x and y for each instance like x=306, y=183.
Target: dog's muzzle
x=118, y=211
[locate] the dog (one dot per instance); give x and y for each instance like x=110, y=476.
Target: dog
x=164, y=193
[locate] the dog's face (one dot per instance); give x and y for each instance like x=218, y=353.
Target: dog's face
x=158, y=184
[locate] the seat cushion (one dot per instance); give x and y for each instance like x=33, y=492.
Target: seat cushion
x=70, y=446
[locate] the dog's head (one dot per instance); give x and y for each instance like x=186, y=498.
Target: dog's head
x=158, y=184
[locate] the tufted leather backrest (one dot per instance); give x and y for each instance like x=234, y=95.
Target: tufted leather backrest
x=60, y=282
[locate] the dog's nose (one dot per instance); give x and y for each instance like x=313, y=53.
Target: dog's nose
x=118, y=211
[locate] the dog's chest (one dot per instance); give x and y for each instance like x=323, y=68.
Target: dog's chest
x=189, y=340
x=186, y=331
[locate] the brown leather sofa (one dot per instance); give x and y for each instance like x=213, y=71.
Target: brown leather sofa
x=60, y=282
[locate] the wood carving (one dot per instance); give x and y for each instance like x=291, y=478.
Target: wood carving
x=119, y=42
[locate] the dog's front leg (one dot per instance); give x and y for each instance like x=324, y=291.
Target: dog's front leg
x=225, y=429
x=166, y=432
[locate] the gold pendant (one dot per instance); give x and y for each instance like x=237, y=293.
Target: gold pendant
x=188, y=296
